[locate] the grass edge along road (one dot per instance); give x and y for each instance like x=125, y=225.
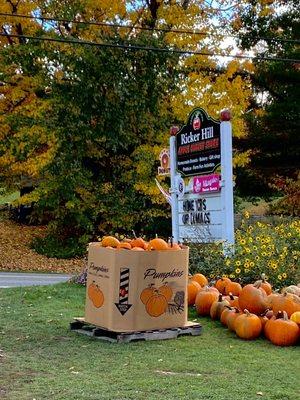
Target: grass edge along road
x=41, y=359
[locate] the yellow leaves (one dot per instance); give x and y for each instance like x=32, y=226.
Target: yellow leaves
x=241, y=159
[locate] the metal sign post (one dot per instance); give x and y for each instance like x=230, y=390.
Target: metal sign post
x=174, y=189
x=227, y=182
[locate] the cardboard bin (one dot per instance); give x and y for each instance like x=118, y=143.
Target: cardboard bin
x=131, y=291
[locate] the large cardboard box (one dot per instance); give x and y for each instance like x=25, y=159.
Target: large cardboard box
x=136, y=290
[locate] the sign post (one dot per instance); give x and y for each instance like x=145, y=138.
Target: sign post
x=174, y=189
x=227, y=181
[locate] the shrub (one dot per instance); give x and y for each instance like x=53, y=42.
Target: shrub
x=260, y=248
x=52, y=246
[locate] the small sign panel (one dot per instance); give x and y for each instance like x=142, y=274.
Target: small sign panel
x=164, y=158
x=198, y=145
x=206, y=183
x=200, y=217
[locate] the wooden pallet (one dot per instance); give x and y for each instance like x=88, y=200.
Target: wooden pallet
x=80, y=326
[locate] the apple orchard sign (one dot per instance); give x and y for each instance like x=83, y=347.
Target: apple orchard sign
x=198, y=145
x=200, y=151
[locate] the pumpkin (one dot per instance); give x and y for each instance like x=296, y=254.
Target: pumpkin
x=157, y=244
x=166, y=290
x=271, y=298
x=286, y=302
x=137, y=249
x=231, y=317
x=95, y=295
x=233, y=300
x=217, y=307
x=201, y=279
x=293, y=289
x=124, y=245
x=110, y=241
x=265, y=316
x=295, y=317
x=173, y=246
x=193, y=289
x=156, y=304
x=264, y=284
x=227, y=310
x=221, y=284
x=247, y=326
x=138, y=242
x=233, y=287
x=147, y=293
x=283, y=332
x=253, y=298
x=204, y=300
x=268, y=326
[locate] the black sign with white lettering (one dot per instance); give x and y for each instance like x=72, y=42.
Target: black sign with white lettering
x=198, y=145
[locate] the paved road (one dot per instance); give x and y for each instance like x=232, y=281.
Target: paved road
x=15, y=279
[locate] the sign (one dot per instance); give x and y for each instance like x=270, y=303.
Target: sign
x=198, y=145
x=200, y=218
x=180, y=186
x=164, y=158
x=206, y=183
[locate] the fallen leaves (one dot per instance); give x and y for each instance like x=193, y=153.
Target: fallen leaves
x=16, y=255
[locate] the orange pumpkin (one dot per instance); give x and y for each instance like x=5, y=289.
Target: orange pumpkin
x=204, y=300
x=231, y=317
x=166, y=290
x=110, y=241
x=221, y=284
x=192, y=289
x=138, y=242
x=157, y=244
x=253, y=298
x=201, y=279
x=247, y=326
x=286, y=302
x=271, y=298
x=264, y=317
x=264, y=284
x=268, y=326
x=227, y=310
x=156, y=305
x=147, y=293
x=296, y=317
x=283, y=332
x=233, y=300
x=137, y=249
x=233, y=287
x=174, y=246
x=217, y=307
x=95, y=295
x=124, y=245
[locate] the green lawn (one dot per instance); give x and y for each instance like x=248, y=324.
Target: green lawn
x=9, y=198
x=41, y=359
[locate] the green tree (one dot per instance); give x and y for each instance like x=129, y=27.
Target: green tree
x=274, y=115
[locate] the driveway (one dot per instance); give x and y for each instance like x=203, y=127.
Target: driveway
x=15, y=279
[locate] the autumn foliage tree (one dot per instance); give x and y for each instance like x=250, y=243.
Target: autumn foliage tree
x=85, y=124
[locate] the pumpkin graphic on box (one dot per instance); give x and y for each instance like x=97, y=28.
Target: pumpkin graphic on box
x=95, y=295
x=156, y=304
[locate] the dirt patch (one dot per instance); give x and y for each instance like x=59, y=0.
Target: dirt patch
x=16, y=255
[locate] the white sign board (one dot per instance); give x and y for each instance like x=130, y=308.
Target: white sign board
x=200, y=218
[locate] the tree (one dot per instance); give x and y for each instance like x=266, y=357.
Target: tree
x=92, y=120
x=273, y=117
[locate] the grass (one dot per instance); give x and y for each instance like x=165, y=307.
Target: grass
x=41, y=359
x=9, y=198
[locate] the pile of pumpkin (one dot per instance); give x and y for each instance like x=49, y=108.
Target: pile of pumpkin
x=139, y=244
x=251, y=310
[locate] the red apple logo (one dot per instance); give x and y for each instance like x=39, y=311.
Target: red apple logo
x=196, y=123
x=164, y=160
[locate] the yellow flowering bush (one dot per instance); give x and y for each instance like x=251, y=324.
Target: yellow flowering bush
x=260, y=247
